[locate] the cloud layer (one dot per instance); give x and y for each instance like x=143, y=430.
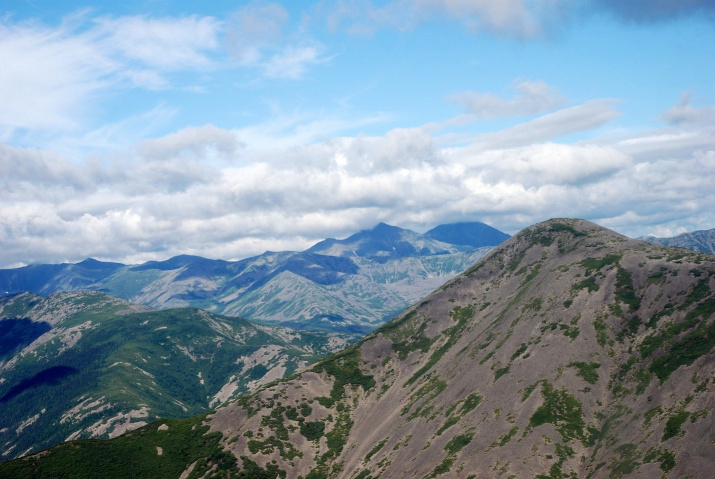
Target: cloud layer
x=207, y=191
x=104, y=184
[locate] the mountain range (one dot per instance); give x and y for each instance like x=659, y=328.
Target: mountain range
x=703, y=241
x=85, y=364
x=568, y=351
x=350, y=285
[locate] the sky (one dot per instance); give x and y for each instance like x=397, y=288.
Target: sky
x=140, y=130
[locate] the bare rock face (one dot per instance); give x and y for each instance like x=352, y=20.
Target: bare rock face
x=570, y=351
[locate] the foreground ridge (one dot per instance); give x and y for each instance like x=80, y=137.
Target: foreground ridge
x=569, y=351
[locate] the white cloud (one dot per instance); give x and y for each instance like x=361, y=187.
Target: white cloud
x=164, y=44
x=198, y=142
x=523, y=19
x=530, y=98
x=47, y=74
x=175, y=194
x=259, y=35
x=570, y=120
x=684, y=113
x=292, y=62
x=52, y=72
x=519, y=18
x=254, y=28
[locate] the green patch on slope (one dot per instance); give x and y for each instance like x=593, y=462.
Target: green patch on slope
x=344, y=367
x=135, y=454
x=586, y=371
x=565, y=413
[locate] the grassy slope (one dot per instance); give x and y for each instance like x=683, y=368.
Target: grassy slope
x=127, y=367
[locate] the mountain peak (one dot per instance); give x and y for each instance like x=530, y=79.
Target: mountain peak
x=473, y=234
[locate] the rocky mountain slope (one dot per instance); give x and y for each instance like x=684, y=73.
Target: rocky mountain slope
x=85, y=364
x=569, y=351
x=703, y=241
x=348, y=285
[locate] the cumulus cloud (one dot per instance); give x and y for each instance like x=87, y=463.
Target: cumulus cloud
x=229, y=194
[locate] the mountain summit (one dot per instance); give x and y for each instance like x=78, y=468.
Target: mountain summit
x=474, y=234
x=569, y=351
x=385, y=242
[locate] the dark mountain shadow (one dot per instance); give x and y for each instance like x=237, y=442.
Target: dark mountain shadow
x=51, y=376
x=15, y=334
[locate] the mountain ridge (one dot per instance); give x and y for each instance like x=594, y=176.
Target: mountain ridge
x=703, y=241
x=568, y=351
x=332, y=268
x=85, y=364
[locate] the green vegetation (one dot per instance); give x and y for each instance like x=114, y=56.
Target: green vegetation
x=528, y=390
x=565, y=413
x=432, y=388
x=664, y=457
x=376, y=449
x=500, y=372
x=344, y=367
x=625, y=291
x=587, y=284
x=586, y=371
x=458, y=442
x=626, y=461
x=562, y=227
x=563, y=452
x=504, y=440
x=697, y=342
x=338, y=436
x=134, y=454
x=597, y=264
x=167, y=361
x=519, y=351
x=468, y=404
x=455, y=445
x=460, y=314
x=673, y=424
x=312, y=430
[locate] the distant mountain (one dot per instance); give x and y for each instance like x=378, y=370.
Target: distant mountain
x=474, y=234
x=385, y=242
x=703, y=241
x=350, y=285
x=86, y=364
x=569, y=351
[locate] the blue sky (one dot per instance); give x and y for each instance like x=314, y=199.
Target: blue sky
x=143, y=129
